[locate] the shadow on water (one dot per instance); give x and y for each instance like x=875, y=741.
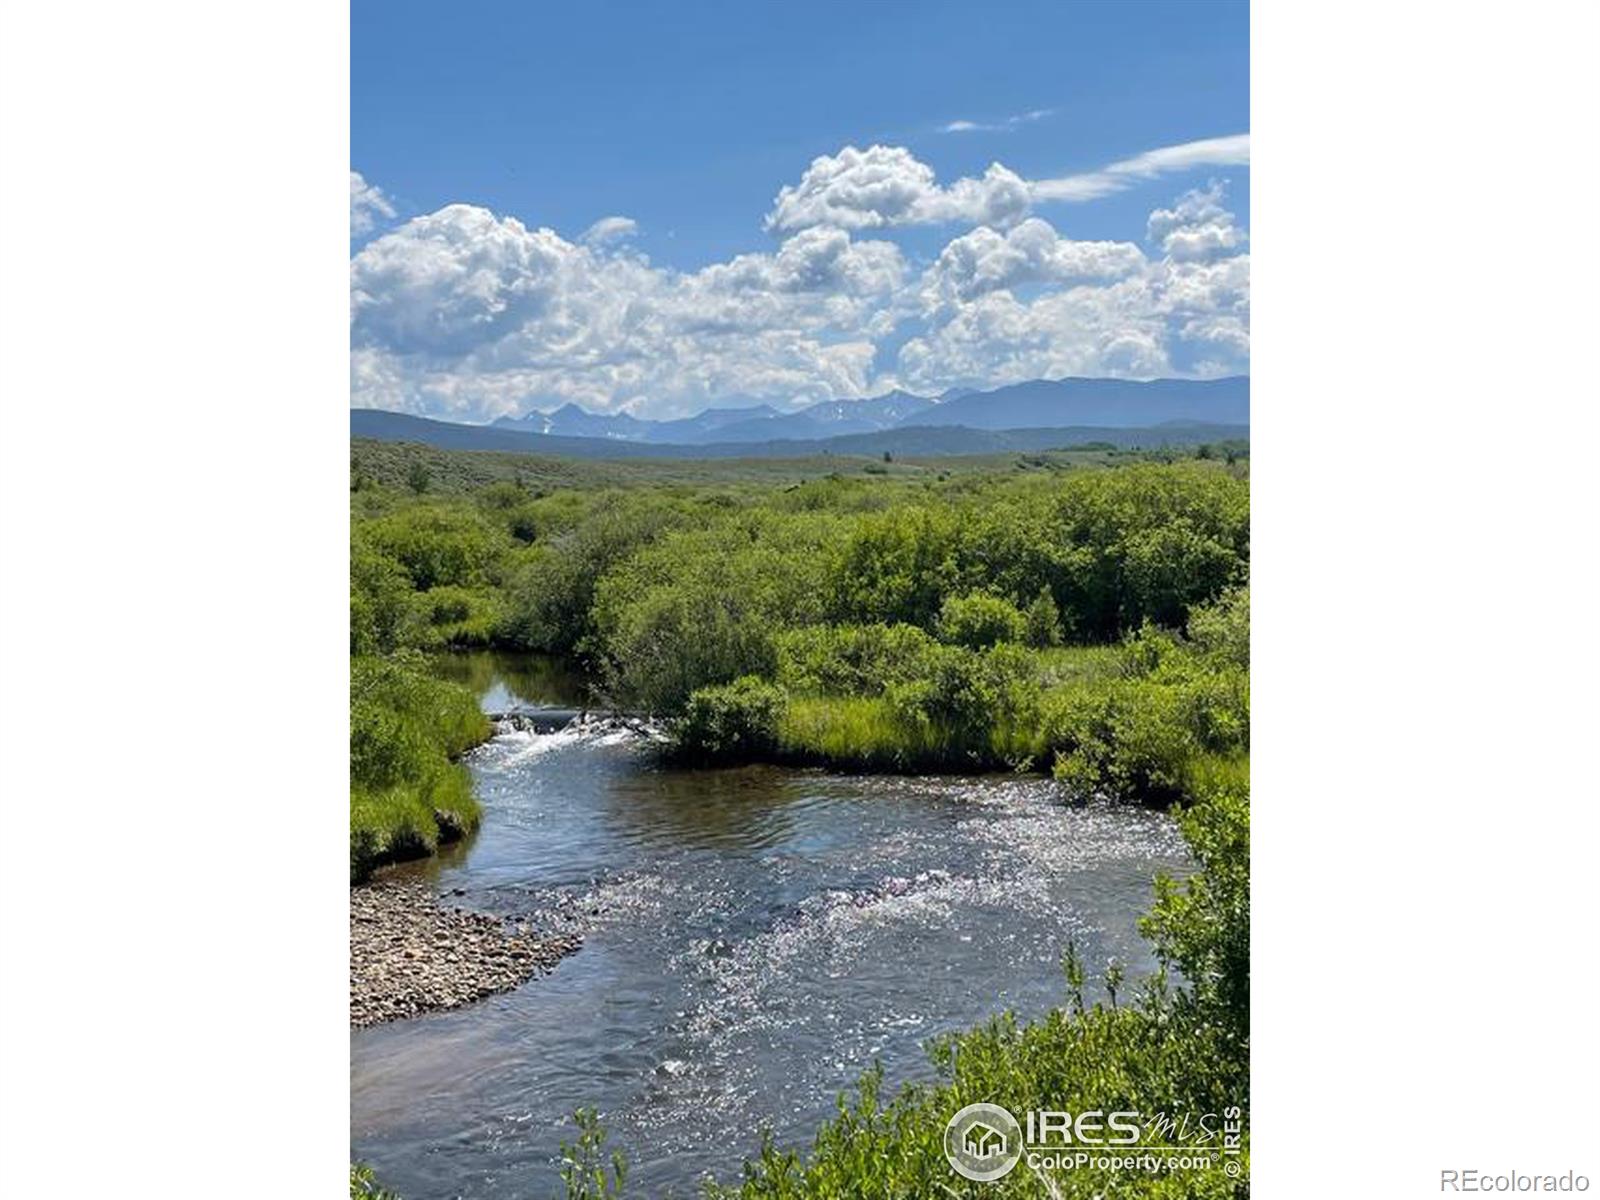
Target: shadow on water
x=754, y=939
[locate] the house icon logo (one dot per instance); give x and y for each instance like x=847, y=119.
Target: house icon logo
x=983, y=1142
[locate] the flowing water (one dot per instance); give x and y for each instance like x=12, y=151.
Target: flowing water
x=754, y=939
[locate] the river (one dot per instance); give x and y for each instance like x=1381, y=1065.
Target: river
x=754, y=939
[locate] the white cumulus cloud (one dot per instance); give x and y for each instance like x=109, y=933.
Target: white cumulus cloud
x=466, y=312
x=884, y=186
x=368, y=206
x=987, y=260
x=1197, y=227
x=1134, y=319
x=471, y=314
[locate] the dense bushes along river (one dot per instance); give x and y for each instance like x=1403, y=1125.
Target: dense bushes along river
x=1088, y=622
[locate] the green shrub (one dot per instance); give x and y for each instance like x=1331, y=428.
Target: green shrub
x=1126, y=740
x=458, y=616
x=703, y=607
x=383, y=615
x=364, y=1185
x=1135, y=735
x=435, y=543
x=551, y=596
x=895, y=567
x=851, y=660
x=978, y=620
x=1222, y=629
x=1202, y=925
x=406, y=792
x=1042, y=621
x=733, y=722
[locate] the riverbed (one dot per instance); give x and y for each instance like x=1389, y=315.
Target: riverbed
x=753, y=939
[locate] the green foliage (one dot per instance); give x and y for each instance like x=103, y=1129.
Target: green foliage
x=586, y=1171
x=1042, y=621
x=895, y=566
x=701, y=607
x=435, y=544
x=736, y=721
x=1202, y=925
x=1124, y=739
x=407, y=794
x=1149, y=542
x=963, y=697
x=1124, y=723
x=1135, y=736
x=458, y=616
x=364, y=1185
x=383, y=615
x=418, y=477
x=851, y=660
x=979, y=620
x=550, y=600
x=1222, y=630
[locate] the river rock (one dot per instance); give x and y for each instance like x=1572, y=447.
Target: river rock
x=409, y=955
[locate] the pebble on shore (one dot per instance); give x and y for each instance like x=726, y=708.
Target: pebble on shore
x=410, y=955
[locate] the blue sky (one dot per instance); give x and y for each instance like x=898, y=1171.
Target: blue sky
x=687, y=120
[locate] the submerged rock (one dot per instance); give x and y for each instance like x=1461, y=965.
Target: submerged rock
x=409, y=955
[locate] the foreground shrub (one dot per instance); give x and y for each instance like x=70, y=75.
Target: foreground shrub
x=1202, y=925
x=364, y=1185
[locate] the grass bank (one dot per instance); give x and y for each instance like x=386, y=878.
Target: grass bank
x=408, y=794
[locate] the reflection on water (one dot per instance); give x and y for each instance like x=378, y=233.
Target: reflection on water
x=501, y=678
x=754, y=939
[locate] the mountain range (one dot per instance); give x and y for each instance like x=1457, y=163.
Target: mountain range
x=1038, y=404
x=907, y=441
